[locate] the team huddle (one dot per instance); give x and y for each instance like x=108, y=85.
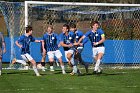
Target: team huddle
x=71, y=39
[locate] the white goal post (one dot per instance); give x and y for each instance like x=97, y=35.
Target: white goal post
x=71, y=3
x=120, y=22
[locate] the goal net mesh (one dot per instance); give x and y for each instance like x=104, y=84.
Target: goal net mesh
x=121, y=25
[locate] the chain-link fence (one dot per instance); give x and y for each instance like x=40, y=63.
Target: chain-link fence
x=120, y=24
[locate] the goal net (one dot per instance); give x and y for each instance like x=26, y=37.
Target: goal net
x=120, y=23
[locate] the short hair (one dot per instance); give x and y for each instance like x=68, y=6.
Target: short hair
x=67, y=26
x=50, y=26
x=28, y=28
x=94, y=22
x=72, y=25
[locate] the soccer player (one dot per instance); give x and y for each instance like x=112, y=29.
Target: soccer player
x=79, y=48
x=51, y=42
x=2, y=51
x=97, y=38
x=24, y=43
x=66, y=41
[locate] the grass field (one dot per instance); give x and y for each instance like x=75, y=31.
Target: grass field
x=111, y=81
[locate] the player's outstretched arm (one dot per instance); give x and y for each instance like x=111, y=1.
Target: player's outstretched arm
x=38, y=41
x=80, y=40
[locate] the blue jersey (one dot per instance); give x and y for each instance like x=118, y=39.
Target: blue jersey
x=51, y=42
x=78, y=35
x=69, y=39
x=95, y=36
x=25, y=42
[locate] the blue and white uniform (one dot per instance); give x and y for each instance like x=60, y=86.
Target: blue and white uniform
x=69, y=39
x=51, y=45
x=96, y=37
x=25, y=41
x=78, y=35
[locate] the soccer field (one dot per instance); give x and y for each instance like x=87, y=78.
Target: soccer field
x=111, y=81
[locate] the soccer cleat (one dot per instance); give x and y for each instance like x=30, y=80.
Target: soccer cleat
x=51, y=69
x=43, y=69
x=99, y=72
x=63, y=72
x=38, y=75
x=26, y=67
x=72, y=73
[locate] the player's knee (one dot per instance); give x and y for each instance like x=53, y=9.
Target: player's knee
x=51, y=60
x=43, y=55
x=60, y=60
x=33, y=62
x=69, y=56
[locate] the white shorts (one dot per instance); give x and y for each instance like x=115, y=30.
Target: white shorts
x=26, y=57
x=56, y=53
x=80, y=49
x=97, y=50
x=69, y=51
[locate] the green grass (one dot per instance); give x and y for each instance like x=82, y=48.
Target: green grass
x=111, y=81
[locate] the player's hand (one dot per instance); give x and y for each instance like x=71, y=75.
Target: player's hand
x=70, y=45
x=95, y=43
x=81, y=44
x=41, y=41
x=76, y=44
x=59, y=45
x=20, y=46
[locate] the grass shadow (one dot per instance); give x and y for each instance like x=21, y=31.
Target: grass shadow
x=14, y=72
